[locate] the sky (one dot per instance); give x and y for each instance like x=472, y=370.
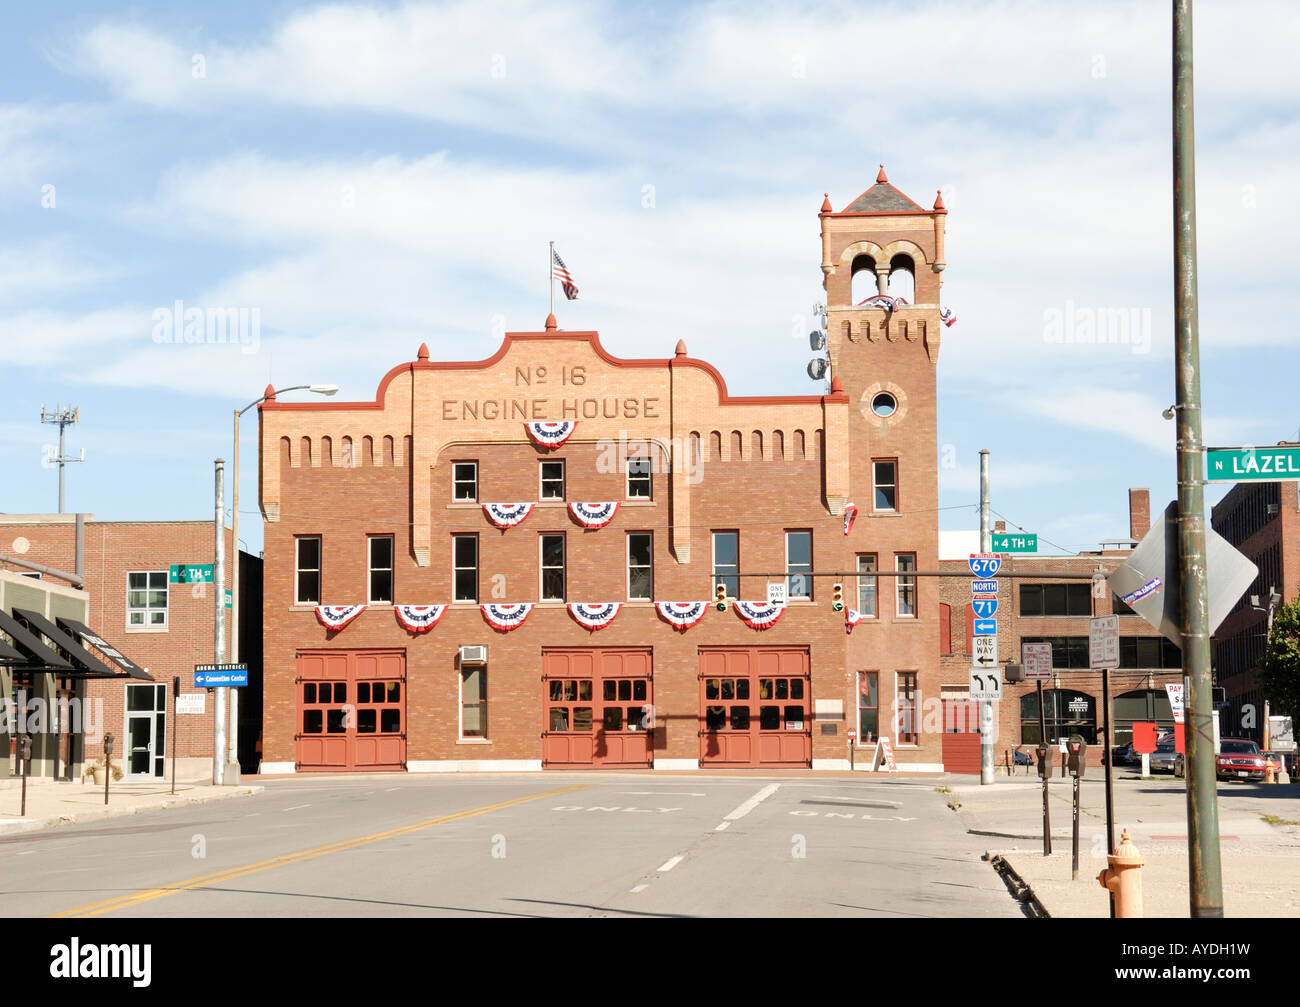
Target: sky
x=368, y=177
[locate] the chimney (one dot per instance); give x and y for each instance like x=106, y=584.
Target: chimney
x=1139, y=513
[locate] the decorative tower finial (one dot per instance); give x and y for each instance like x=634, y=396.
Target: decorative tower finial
x=938, y=200
x=881, y=176
x=269, y=394
x=550, y=322
x=826, y=204
x=681, y=347
x=423, y=353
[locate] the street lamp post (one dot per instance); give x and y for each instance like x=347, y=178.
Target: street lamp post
x=234, y=553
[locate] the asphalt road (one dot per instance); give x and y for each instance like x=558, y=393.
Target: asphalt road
x=528, y=845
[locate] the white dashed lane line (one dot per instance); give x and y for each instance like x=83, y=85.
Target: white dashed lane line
x=639, y=888
x=753, y=802
x=298, y=807
x=670, y=864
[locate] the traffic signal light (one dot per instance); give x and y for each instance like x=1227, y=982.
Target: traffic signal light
x=837, y=598
x=720, y=596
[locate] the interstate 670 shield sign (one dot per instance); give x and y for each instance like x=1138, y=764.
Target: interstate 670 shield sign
x=985, y=565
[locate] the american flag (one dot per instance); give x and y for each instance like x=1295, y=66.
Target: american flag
x=561, y=272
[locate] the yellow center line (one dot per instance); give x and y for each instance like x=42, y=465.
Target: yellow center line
x=149, y=894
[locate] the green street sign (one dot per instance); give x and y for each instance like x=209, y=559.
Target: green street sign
x=1015, y=542
x=191, y=573
x=1232, y=465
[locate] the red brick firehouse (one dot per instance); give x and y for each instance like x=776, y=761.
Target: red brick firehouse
x=513, y=563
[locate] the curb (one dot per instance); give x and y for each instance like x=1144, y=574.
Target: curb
x=20, y=826
x=1020, y=891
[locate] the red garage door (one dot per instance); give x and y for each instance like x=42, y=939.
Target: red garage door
x=961, y=742
x=754, y=705
x=351, y=711
x=597, y=709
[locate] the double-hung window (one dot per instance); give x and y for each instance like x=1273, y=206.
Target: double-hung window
x=552, y=568
x=726, y=561
x=798, y=564
x=640, y=566
x=867, y=585
x=464, y=481
x=307, y=577
x=473, y=702
x=464, y=562
x=552, y=479
x=905, y=562
x=638, y=479
x=884, y=481
x=381, y=569
x=146, y=599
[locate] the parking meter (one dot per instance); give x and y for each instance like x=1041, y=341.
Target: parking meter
x=1076, y=754
x=1044, y=766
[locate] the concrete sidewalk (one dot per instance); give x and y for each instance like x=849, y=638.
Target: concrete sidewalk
x=51, y=803
x=1259, y=829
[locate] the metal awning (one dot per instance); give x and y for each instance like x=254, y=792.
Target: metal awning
x=35, y=653
x=84, y=663
x=9, y=655
x=83, y=633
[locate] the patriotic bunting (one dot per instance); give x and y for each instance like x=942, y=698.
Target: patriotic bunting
x=681, y=615
x=594, y=616
x=335, y=617
x=594, y=515
x=850, y=515
x=851, y=618
x=759, y=614
x=947, y=317
x=551, y=435
x=419, y=618
x=507, y=515
x=506, y=617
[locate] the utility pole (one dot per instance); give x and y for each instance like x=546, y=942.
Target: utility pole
x=219, y=582
x=1204, y=866
x=234, y=592
x=986, y=707
x=64, y=418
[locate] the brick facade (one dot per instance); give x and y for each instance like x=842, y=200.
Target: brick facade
x=112, y=550
x=761, y=466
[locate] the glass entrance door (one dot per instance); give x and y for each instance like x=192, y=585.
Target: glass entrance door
x=145, y=754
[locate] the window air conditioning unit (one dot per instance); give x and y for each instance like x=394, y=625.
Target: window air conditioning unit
x=470, y=656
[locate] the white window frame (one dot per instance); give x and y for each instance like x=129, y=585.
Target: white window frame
x=542, y=567
x=541, y=479
x=788, y=574
x=460, y=706
x=627, y=556
x=147, y=626
x=713, y=542
x=298, y=568
x=455, y=482
x=875, y=559
x=859, y=741
x=893, y=462
x=390, y=570
x=898, y=710
x=898, y=588
x=456, y=569
x=649, y=477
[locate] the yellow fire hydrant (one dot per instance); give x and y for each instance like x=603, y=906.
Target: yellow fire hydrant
x=1123, y=877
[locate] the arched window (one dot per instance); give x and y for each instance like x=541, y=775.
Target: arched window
x=778, y=445
x=737, y=446
x=757, y=441
x=304, y=453
x=327, y=451
x=902, y=278
x=1068, y=712
x=715, y=446
x=863, y=278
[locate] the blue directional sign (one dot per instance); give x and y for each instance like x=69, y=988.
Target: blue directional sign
x=986, y=627
x=978, y=587
x=986, y=565
x=984, y=608
x=212, y=676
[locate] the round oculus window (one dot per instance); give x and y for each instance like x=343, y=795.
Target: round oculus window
x=884, y=405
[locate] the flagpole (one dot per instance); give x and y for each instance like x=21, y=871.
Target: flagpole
x=550, y=271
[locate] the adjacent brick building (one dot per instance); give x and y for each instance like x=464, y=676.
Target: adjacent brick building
x=1263, y=521
x=383, y=504
x=1057, y=611
x=164, y=627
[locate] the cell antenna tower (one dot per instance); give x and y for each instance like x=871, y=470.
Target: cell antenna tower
x=64, y=418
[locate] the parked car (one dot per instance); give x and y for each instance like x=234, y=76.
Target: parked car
x=1239, y=758
x=1125, y=755
x=1164, y=757
x=1276, y=759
